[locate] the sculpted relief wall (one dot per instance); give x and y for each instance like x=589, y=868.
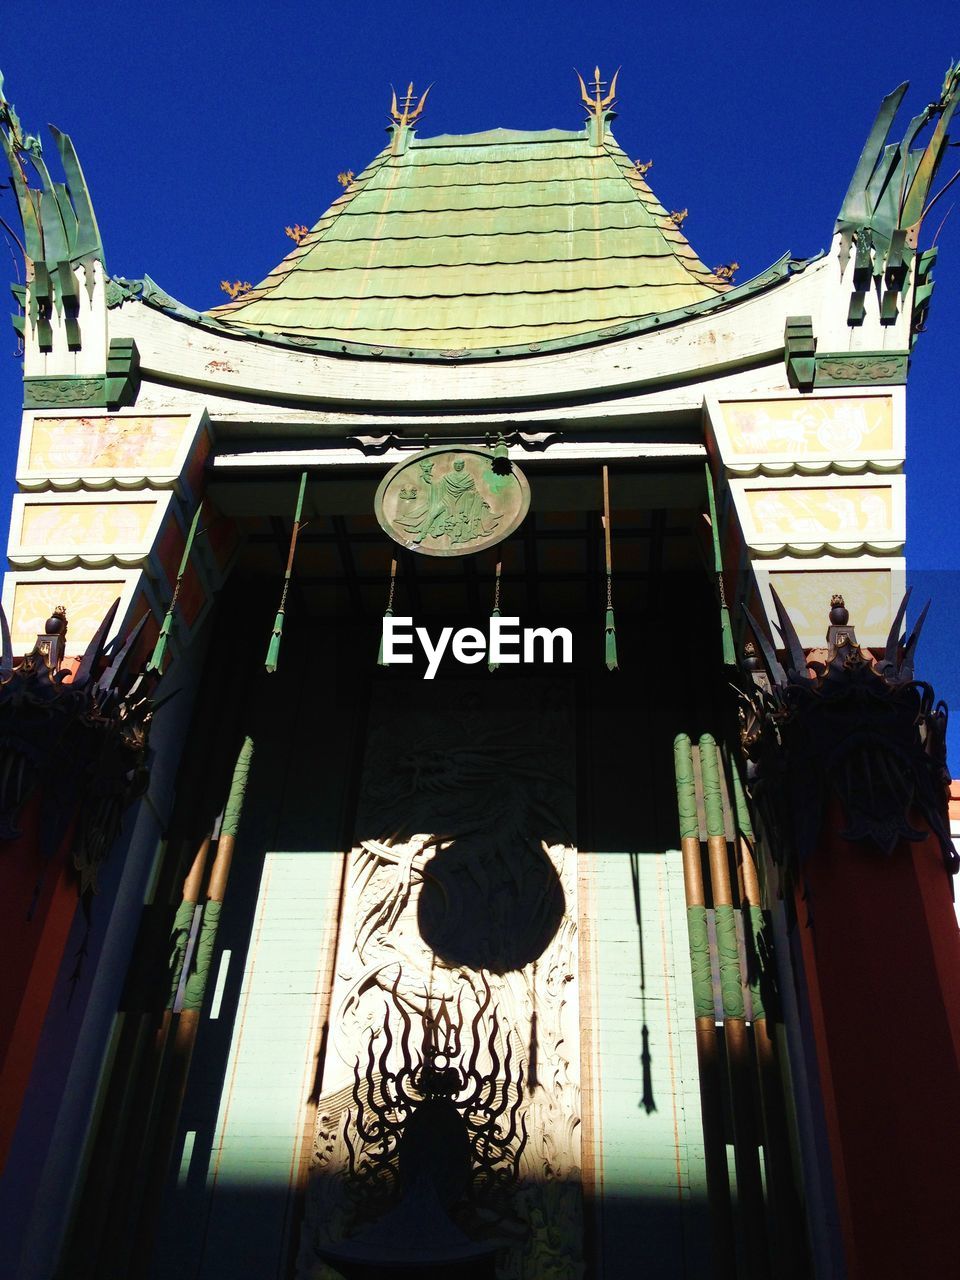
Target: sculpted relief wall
x=448, y=1123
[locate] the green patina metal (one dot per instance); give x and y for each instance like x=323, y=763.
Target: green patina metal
x=799, y=349
x=888, y=198
x=757, y=924
x=696, y=913
x=146, y=290
x=712, y=794
x=123, y=372
x=728, y=948
x=423, y=249
x=610, y=641
x=700, y=962
x=196, y=984
x=65, y=392
x=60, y=233
x=452, y=500
x=113, y=390
x=273, y=648
x=744, y=821
x=861, y=368
x=58, y=220
x=686, y=787
x=728, y=955
x=194, y=988
x=179, y=937
x=726, y=626
x=163, y=639
x=238, y=788
x=752, y=915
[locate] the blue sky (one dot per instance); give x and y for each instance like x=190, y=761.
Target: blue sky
x=204, y=129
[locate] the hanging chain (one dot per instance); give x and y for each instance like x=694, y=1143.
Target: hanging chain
x=496, y=587
x=393, y=584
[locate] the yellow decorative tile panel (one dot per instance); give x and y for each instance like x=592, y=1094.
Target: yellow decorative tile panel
x=868, y=594
x=85, y=602
x=840, y=427
x=78, y=526
x=107, y=443
x=821, y=515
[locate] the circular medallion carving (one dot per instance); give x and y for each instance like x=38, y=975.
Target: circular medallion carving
x=452, y=500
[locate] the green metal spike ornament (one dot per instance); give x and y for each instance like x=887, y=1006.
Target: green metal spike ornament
x=163, y=639
x=726, y=627
x=273, y=648
x=501, y=465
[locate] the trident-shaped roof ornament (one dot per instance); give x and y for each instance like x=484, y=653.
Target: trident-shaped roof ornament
x=600, y=105
x=403, y=116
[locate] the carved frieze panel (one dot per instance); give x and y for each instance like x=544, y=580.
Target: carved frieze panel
x=810, y=434
x=99, y=450
x=450, y=1103
x=839, y=515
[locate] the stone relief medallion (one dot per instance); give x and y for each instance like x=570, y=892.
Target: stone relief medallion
x=452, y=500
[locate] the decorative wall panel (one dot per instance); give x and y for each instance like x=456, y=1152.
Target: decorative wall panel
x=451, y=1090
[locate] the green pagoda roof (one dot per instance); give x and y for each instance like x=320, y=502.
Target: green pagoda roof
x=481, y=242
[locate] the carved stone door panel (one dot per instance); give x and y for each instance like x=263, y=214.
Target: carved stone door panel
x=448, y=1125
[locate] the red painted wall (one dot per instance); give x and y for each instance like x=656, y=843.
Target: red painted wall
x=33, y=945
x=881, y=951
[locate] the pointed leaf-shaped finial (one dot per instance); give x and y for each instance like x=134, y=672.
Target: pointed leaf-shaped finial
x=95, y=647
x=910, y=648
x=770, y=661
x=798, y=659
x=893, y=635
x=113, y=672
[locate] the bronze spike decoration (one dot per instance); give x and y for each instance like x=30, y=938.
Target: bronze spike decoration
x=838, y=721
x=406, y=113
x=600, y=102
x=81, y=742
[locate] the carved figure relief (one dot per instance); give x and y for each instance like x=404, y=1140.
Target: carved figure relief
x=451, y=501
x=450, y=1094
x=106, y=443
x=810, y=515
x=810, y=428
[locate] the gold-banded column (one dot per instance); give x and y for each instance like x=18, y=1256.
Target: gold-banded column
x=746, y=1141
x=708, y=1044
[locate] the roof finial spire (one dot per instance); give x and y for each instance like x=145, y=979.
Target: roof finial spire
x=405, y=115
x=600, y=106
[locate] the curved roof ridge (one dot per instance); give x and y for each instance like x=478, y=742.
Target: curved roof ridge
x=310, y=240
x=671, y=228
x=383, y=259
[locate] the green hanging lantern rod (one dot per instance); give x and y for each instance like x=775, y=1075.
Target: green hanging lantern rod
x=273, y=648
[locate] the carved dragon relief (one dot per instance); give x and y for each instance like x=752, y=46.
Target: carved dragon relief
x=454, y=1007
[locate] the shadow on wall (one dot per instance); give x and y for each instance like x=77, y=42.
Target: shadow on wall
x=416, y=1237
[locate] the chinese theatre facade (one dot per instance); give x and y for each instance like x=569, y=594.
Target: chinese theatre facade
x=466, y=802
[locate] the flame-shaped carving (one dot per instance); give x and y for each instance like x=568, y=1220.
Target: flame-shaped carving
x=472, y=1095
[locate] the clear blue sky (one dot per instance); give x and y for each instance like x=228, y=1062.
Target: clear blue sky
x=204, y=129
